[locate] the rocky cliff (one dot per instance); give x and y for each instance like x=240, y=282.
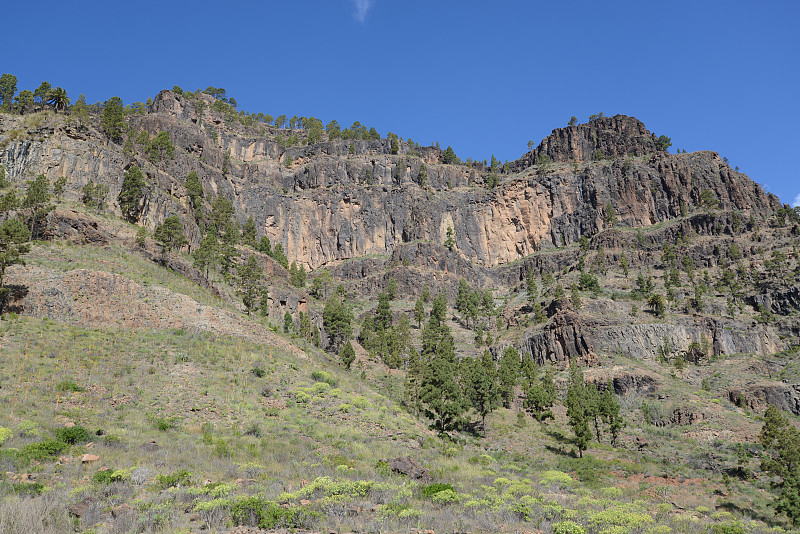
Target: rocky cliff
x=344, y=199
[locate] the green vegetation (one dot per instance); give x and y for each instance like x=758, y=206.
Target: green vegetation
x=131, y=194
x=170, y=234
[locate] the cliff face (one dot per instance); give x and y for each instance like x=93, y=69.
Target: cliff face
x=342, y=199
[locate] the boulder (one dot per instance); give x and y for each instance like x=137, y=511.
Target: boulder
x=81, y=508
x=411, y=468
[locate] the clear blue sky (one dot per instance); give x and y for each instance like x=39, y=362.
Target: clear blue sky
x=484, y=77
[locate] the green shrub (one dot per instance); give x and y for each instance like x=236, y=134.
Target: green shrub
x=72, y=435
x=322, y=376
x=483, y=459
x=730, y=527
x=432, y=489
x=221, y=449
x=29, y=489
x=261, y=513
x=549, y=477
x=164, y=423
x=258, y=371
x=5, y=434
x=43, y=450
x=28, y=429
x=568, y=527
x=445, y=497
x=112, y=475
x=69, y=385
x=178, y=478
x=392, y=508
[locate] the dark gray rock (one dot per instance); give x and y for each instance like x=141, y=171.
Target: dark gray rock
x=411, y=468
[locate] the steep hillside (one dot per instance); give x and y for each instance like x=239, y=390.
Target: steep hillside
x=146, y=387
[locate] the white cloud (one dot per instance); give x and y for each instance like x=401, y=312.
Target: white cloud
x=796, y=203
x=362, y=7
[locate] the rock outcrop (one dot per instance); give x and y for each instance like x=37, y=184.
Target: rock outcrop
x=606, y=137
x=561, y=340
x=756, y=396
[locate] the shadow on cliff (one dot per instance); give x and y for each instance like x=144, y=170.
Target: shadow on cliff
x=11, y=298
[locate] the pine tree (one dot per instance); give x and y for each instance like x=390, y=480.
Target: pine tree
x=264, y=246
x=441, y=396
x=411, y=387
x=131, y=194
x=141, y=237
x=36, y=203
x=425, y=295
x=347, y=354
x=221, y=212
x=160, y=147
x=559, y=294
x=304, y=326
x=59, y=186
x=540, y=396
x=279, y=256
x=578, y=408
x=8, y=88
x=249, y=233
x=320, y=284
x=337, y=318
x=508, y=373
x=114, y=118
x=250, y=281
x=227, y=247
x=288, y=323
x=170, y=234
x=14, y=237
x=463, y=296
x=206, y=256
x=195, y=191
x=531, y=287
x=482, y=390
x=609, y=410
x=419, y=311
x=781, y=441
x=575, y=298
x=450, y=241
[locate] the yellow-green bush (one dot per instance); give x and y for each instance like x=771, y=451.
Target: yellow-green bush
x=568, y=527
x=551, y=477
x=628, y=515
x=5, y=434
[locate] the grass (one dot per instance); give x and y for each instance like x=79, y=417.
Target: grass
x=65, y=257
x=310, y=450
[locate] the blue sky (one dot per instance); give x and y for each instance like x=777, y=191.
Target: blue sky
x=484, y=77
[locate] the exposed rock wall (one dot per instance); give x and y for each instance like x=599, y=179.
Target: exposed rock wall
x=569, y=336
x=330, y=204
x=758, y=395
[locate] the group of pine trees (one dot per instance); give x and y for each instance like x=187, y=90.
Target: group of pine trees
x=448, y=389
x=23, y=219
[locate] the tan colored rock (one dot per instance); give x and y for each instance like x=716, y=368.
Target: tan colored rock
x=88, y=458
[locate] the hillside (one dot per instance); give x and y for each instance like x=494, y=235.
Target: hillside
x=207, y=375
